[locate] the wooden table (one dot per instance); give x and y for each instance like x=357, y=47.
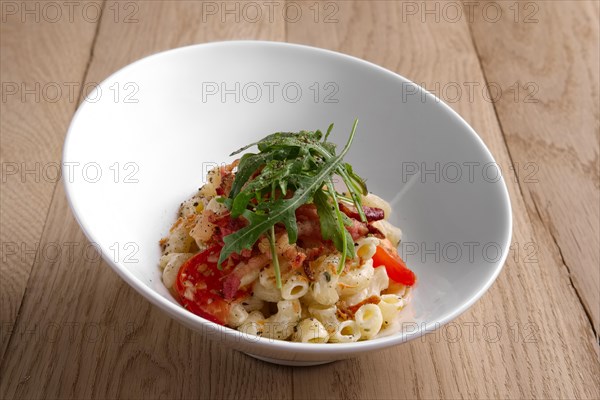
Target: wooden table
x=524, y=75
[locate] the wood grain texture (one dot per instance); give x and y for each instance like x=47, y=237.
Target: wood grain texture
x=83, y=333
x=532, y=336
x=41, y=67
x=552, y=125
x=98, y=347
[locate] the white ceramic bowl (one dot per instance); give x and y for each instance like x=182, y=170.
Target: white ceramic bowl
x=143, y=140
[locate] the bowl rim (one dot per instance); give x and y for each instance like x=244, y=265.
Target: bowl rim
x=198, y=323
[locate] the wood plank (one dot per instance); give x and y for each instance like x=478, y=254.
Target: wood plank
x=83, y=332
x=513, y=345
x=88, y=344
x=43, y=60
x=551, y=124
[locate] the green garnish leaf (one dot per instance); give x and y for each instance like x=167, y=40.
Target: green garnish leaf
x=290, y=170
x=271, y=237
x=330, y=229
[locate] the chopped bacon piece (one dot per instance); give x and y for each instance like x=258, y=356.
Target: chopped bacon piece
x=312, y=253
x=371, y=213
x=217, y=219
x=307, y=220
x=308, y=211
x=225, y=187
x=308, y=271
x=236, y=258
x=309, y=229
x=227, y=178
x=298, y=260
x=342, y=311
x=246, y=253
x=231, y=284
x=375, y=232
x=358, y=229
x=227, y=224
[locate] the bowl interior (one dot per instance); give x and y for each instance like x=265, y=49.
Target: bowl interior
x=144, y=139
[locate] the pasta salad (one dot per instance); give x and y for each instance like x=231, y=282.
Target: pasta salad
x=269, y=247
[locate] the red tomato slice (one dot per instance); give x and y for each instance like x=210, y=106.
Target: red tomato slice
x=199, y=285
x=394, y=266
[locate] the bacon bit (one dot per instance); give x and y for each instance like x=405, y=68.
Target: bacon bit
x=375, y=232
x=309, y=211
x=309, y=230
x=308, y=271
x=298, y=260
x=233, y=225
x=225, y=187
x=227, y=224
x=312, y=253
x=309, y=226
x=371, y=213
x=227, y=178
x=217, y=219
x=342, y=311
x=246, y=253
x=358, y=229
x=231, y=284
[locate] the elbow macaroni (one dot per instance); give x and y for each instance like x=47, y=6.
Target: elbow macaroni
x=390, y=305
x=294, y=288
x=369, y=320
x=237, y=315
x=327, y=315
x=347, y=331
x=316, y=306
x=281, y=325
x=391, y=232
x=310, y=330
x=365, y=247
x=270, y=294
x=378, y=283
x=356, y=280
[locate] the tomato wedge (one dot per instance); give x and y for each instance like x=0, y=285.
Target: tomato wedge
x=200, y=288
x=394, y=266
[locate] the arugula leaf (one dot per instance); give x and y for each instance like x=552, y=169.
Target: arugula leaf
x=281, y=210
x=359, y=183
x=274, y=175
x=292, y=169
x=330, y=225
x=274, y=257
x=328, y=132
x=250, y=164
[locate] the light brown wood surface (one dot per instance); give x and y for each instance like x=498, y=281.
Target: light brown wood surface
x=72, y=329
x=36, y=58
